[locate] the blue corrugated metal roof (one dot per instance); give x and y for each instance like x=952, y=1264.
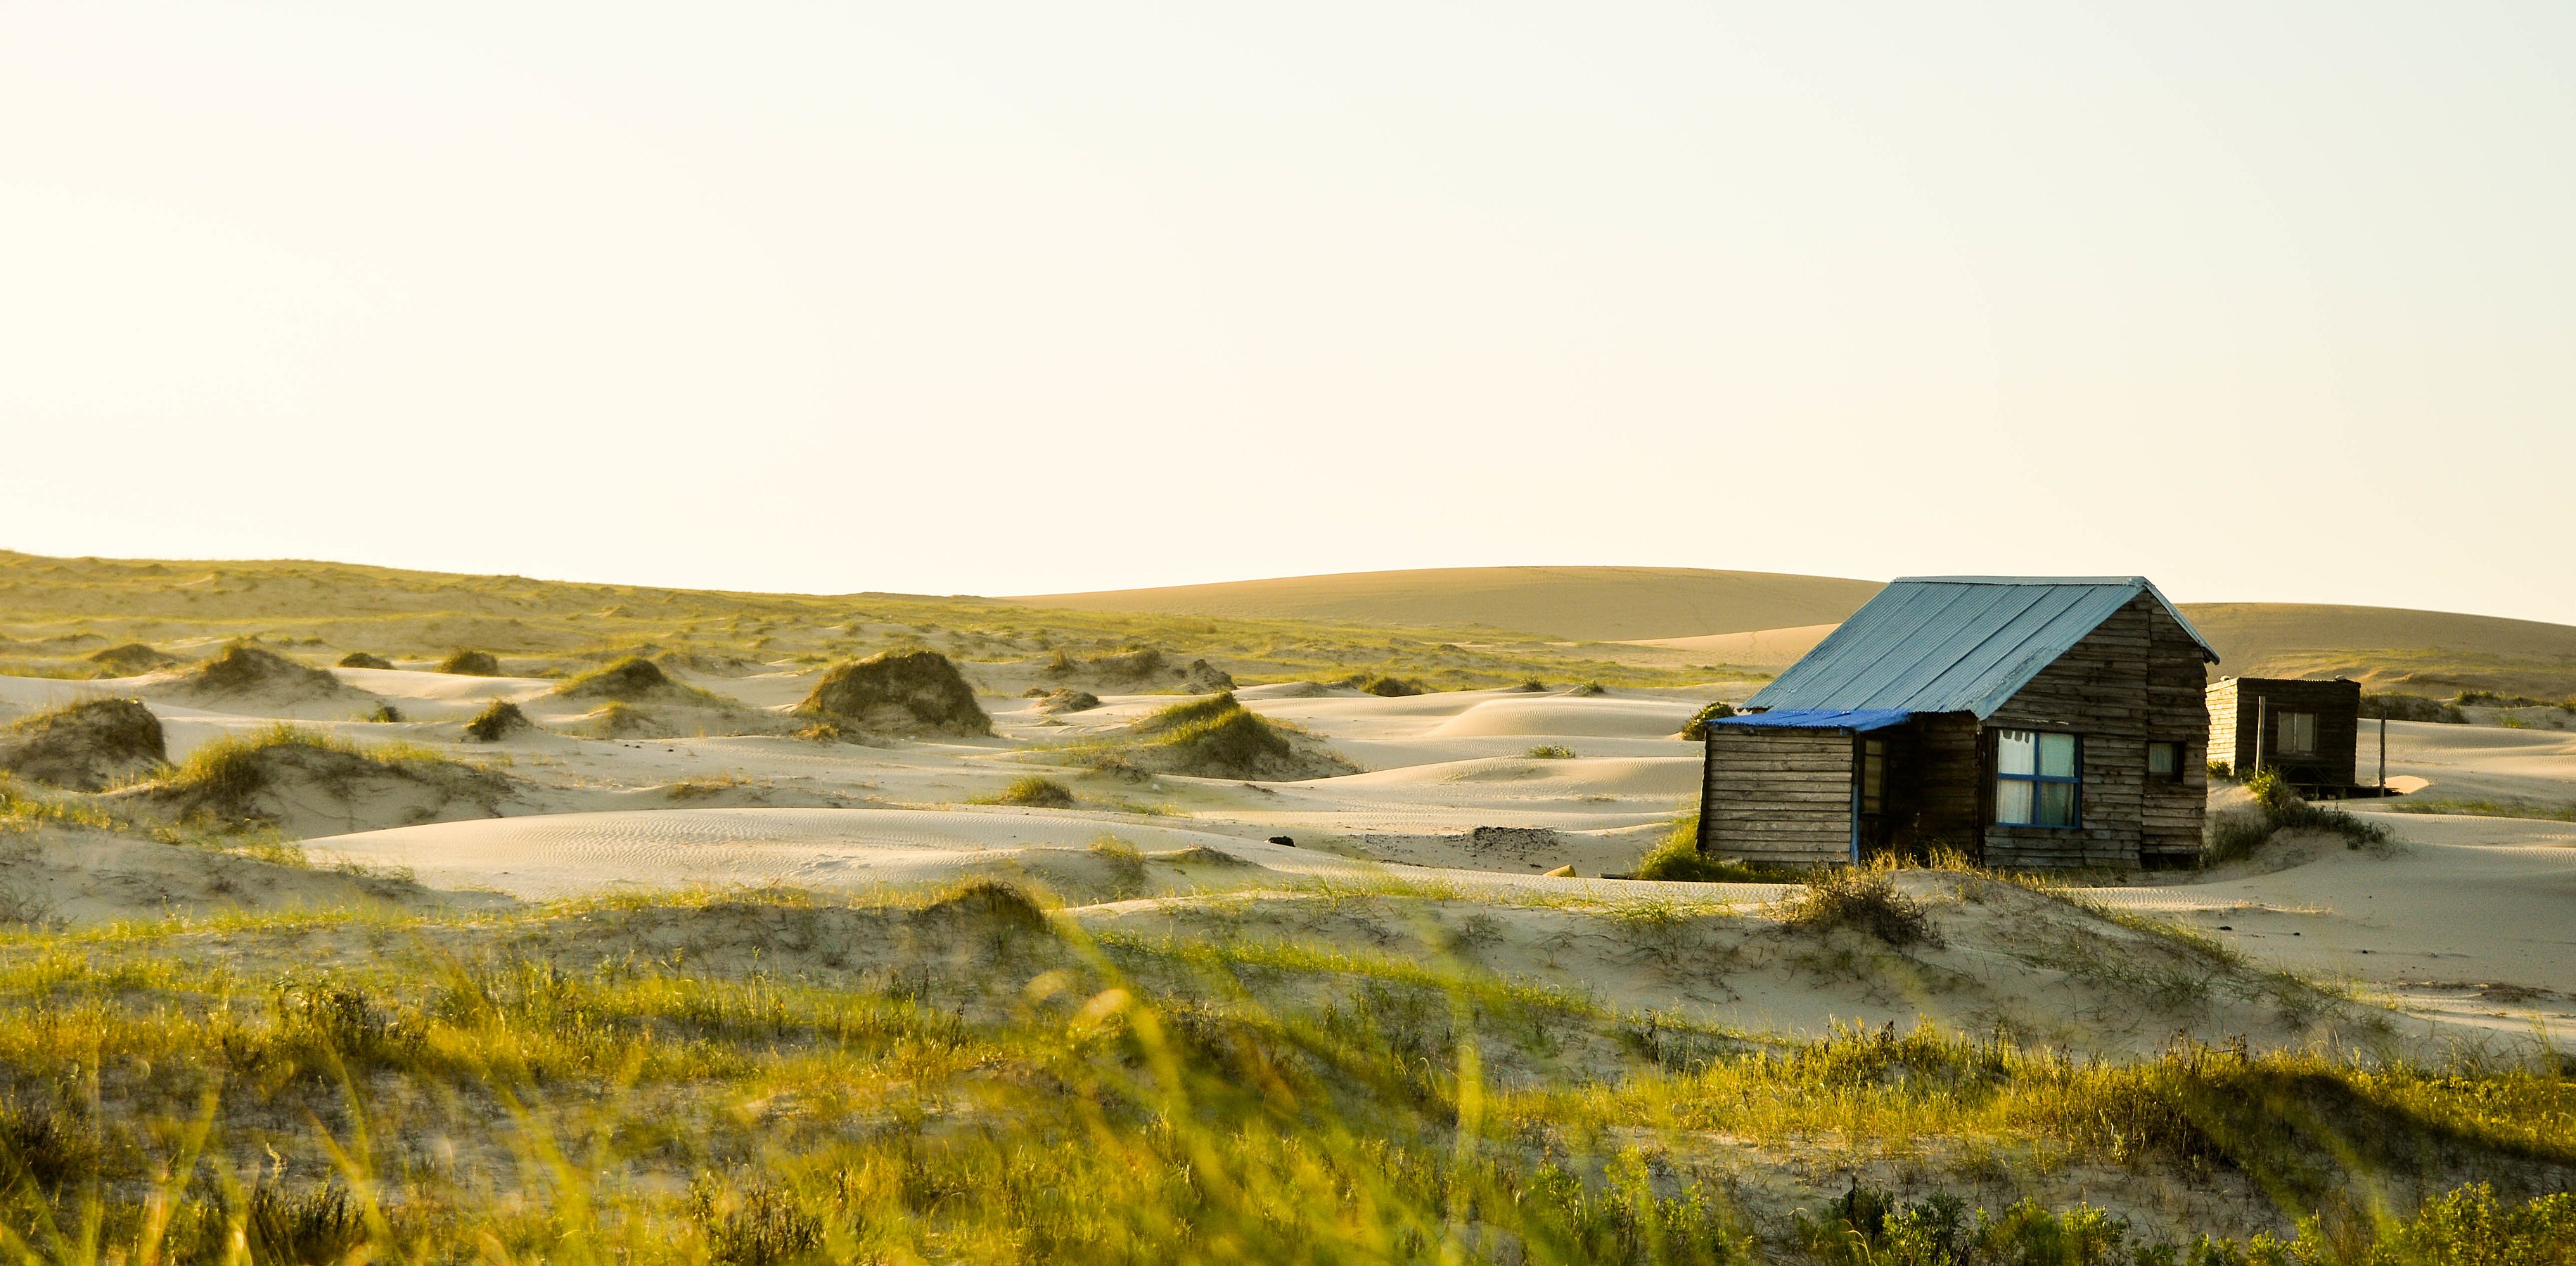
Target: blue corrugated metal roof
x=1955, y=643
x=1818, y=719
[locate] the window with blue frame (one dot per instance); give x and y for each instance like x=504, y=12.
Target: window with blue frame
x=2039, y=779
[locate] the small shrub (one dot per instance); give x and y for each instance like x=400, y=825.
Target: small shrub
x=1697, y=730
x=1862, y=899
x=1036, y=793
x=386, y=713
x=1385, y=687
x=361, y=659
x=2222, y=769
x=498, y=720
x=1588, y=689
x=1550, y=751
x=470, y=664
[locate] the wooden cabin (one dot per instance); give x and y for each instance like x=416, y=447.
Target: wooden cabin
x=2024, y=722
x=2308, y=730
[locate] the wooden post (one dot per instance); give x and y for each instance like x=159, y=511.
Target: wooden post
x=2262, y=731
x=2383, y=755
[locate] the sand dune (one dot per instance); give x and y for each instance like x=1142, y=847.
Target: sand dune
x=1772, y=649
x=1557, y=717
x=1589, y=603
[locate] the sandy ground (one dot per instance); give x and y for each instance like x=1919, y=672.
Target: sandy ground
x=2468, y=923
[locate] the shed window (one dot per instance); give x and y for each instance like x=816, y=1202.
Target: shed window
x=2164, y=762
x=2038, y=779
x=2298, y=733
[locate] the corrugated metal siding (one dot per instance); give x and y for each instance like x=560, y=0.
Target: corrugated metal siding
x=1953, y=644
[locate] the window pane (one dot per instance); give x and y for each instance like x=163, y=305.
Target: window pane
x=2013, y=752
x=2012, y=800
x=2057, y=804
x=2162, y=759
x=2298, y=733
x=2057, y=755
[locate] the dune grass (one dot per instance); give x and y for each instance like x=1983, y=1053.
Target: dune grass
x=498, y=720
x=1032, y=791
x=621, y=1081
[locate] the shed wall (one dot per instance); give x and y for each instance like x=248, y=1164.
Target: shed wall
x=1782, y=797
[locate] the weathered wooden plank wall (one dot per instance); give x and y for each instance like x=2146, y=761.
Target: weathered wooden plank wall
x=1777, y=796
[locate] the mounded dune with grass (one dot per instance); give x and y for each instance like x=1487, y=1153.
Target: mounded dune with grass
x=84, y=746
x=898, y=692
x=256, y=681
x=307, y=783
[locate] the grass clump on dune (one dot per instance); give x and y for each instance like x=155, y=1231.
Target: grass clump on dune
x=244, y=669
x=465, y=663
x=498, y=720
x=84, y=746
x=1217, y=737
x=361, y=659
x=1035, y=792
x=636, y=679
x=1550, y=751
x=904, y=692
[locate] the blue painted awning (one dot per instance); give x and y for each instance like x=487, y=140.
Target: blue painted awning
x=1819, y=719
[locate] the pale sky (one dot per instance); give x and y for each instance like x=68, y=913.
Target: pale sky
x=2264, y=301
